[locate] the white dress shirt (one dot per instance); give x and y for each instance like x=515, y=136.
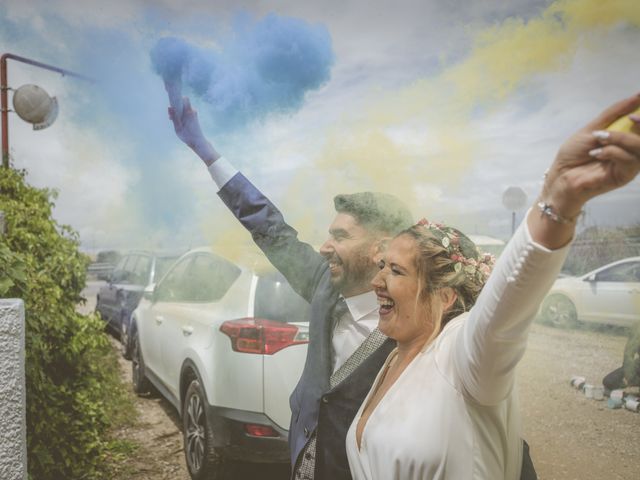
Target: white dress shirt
x=349, y=333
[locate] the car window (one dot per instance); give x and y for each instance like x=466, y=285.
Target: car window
x=276, y=300
x=122, y=273
x=141, y=270
x=209, y=278
x=116, y=274
x=173, y=286
x=623, y=272
x=162, y=265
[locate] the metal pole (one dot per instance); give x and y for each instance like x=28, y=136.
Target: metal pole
x=5, y=110
x=4, y=87
x=513, y=223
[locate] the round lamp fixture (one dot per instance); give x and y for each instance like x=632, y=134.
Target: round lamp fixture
x=34, y=105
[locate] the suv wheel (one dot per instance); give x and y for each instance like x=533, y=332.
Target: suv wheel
x=140, y=382
x=202, y=459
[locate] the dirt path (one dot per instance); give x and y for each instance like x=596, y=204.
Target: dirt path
x=571, y=436
x=157, y=432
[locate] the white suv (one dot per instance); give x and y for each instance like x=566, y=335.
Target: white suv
x=226, y=345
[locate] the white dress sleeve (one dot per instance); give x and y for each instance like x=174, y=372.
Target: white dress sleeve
x=493, y=338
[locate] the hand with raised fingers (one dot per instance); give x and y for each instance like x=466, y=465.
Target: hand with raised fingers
x=187, y=127
x=594, y=161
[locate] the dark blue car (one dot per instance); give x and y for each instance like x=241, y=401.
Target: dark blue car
x=125, y=286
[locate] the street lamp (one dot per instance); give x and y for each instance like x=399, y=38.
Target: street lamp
x=34, y=105
x=30, y=102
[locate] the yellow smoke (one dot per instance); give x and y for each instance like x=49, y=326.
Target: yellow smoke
x=436, y=113
x=418, y=142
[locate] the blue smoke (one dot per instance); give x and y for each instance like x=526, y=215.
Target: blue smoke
x=265, y=67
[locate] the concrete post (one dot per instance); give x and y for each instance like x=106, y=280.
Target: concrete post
x=13, y=428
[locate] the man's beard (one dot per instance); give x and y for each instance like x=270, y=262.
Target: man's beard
x=356, y=274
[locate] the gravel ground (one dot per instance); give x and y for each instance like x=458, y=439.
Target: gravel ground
x=571, y=437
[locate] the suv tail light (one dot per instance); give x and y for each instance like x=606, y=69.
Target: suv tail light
x=257, y=335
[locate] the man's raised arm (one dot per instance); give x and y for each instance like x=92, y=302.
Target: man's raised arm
x=188, y=129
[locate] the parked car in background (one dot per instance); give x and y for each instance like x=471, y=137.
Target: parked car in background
x=125, y=285
x=225, y=344
x=103, y=265
x=608, y=295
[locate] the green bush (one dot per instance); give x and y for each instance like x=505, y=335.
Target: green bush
x=73, y=385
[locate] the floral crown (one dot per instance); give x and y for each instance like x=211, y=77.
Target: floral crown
x=464, y=254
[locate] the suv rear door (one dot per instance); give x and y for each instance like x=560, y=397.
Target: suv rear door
x=170, y=291
x=189, y=322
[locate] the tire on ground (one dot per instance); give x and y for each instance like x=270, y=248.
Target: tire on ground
x=125, y=343
x=141, y=383
x=559, y=311
x=203, y=461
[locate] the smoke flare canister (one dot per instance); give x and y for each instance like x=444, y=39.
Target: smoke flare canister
x=632, y=403
x=624, y=124
x=578, y=382
x=617, y=394
x=598, y=393
x=174, y=90
x=614, y=403
x=588, y=390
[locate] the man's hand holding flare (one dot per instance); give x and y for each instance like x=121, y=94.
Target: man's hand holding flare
x=187, y=127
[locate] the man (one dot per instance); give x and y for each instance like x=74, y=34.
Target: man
x=345, y=350
x=628, y=375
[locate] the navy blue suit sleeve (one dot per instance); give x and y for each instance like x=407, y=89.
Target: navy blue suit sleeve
x=301, y=265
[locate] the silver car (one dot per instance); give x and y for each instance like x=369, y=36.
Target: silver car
x=608, y=295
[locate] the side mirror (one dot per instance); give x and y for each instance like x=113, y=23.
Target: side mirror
x=591, y=278
x=150, y=292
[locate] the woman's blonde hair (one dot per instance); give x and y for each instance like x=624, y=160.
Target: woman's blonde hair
x=446, y=257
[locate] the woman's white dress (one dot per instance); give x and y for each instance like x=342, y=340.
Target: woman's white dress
x=453, y=412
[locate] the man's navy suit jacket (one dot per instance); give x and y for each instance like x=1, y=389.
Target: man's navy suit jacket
x=314, y=405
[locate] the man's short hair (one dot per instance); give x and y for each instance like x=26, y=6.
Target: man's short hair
x=375, y=211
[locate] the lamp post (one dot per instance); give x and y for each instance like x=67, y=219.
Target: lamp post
x=4, y=88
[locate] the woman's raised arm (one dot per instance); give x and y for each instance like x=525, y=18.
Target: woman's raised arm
x=592, y=162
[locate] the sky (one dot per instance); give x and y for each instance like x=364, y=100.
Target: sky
x=444, y=104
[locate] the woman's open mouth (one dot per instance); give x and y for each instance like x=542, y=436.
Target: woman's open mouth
x=386, y=305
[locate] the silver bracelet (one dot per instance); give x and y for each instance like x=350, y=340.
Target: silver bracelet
x=546, y=209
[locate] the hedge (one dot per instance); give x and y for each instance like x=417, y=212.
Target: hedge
x=73, y=385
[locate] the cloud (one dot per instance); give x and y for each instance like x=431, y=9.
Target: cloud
x=430, y=134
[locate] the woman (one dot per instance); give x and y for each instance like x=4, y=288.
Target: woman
x=444, y=405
